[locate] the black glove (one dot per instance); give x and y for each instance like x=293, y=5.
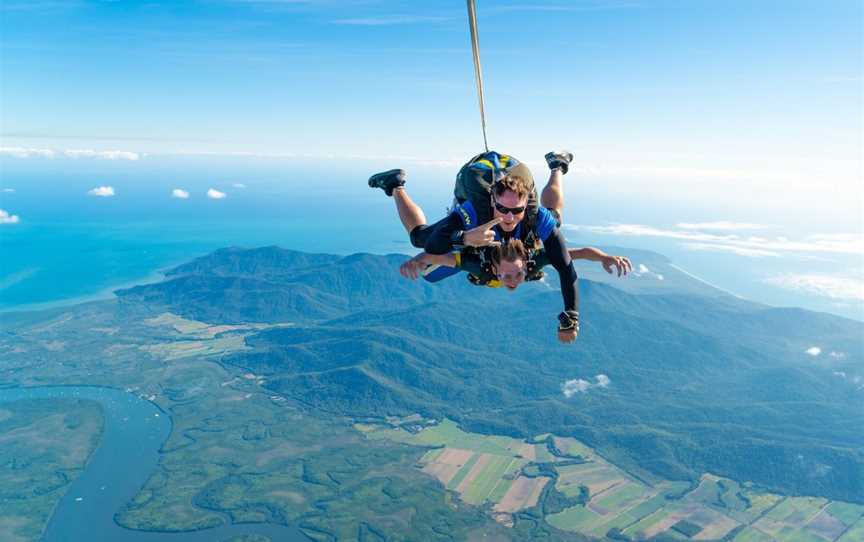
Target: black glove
x=568, y=320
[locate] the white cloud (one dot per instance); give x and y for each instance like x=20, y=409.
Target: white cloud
x=813, y=351
x=643, y=270
x=179, y=193
x=212, y=193
x=837, y=355
x=103, y=155
x=101, y=191
x=572, y=387
x=841, y=374
x=23, y=152
x=238, y=185
x=6, y=218
x=9, y=190
x=578, y=385
x=842, y=243
x=831, y=286
x=721, y=226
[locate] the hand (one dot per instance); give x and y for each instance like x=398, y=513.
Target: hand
x=413, y=267
x=567, y=336
x=482, y=236
x=620, y=263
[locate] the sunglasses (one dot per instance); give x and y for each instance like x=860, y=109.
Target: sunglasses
x=504, y=210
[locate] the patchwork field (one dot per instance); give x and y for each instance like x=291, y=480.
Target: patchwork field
x=511, y=475
x=479, y=468
x=193, y=338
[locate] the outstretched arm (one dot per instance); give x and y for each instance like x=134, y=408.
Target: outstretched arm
x=413, y=267
x=620, y=263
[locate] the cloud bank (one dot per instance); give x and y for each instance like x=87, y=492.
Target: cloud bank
x=751, y=246
x=179, y=193
x=101, y=191
x=212, y=193
x=27, y=152
x=104, y=155
x=721, y=226
x=831, y=286
x=6, y=218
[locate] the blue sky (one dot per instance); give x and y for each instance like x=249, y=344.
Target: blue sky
x=634, y=77
x=721, y=113
x=743, y=95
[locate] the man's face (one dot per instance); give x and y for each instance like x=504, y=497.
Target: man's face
x=511, y=274
x=510, y=201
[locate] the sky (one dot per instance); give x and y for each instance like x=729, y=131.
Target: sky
x=741, y=91
x=729, y=113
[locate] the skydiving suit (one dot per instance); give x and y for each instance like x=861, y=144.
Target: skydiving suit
x=443, y=237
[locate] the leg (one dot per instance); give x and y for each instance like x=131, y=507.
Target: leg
x=410, y=213
x=552, y=196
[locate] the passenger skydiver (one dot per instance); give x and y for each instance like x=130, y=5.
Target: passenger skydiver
x=508, y=203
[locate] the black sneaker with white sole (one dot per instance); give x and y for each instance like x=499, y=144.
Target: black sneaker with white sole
x=388, y=180
x=559, y=160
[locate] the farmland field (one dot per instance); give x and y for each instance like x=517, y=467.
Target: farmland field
x=513, y=475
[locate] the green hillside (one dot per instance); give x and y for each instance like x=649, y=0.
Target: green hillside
x=691, y=383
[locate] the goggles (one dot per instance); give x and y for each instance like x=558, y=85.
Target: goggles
x=512, y=276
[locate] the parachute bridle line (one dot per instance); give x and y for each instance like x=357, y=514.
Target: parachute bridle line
x=478, y=73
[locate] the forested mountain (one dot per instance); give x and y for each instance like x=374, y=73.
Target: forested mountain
x=670, y=381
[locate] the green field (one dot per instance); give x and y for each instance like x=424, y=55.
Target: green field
x=845, y=512
x=463, y=472
x=854, y=534
x=752, y=535
x=481, y=489
x=622, y=497
x=578, y=519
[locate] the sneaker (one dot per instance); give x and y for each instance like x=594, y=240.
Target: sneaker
x=559, y=160
x=388, y=180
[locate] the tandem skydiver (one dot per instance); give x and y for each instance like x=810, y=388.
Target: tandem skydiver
x=497, y=186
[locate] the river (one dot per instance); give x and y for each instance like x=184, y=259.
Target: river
x=126, y=456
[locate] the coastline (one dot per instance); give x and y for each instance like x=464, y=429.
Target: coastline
x=101, y=295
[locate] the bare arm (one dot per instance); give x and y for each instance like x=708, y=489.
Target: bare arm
x=413, y=267
x=620, y=263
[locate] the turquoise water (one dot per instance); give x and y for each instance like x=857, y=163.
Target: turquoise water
x=70, y=246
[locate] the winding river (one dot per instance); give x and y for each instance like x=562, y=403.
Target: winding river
x=127, y=454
